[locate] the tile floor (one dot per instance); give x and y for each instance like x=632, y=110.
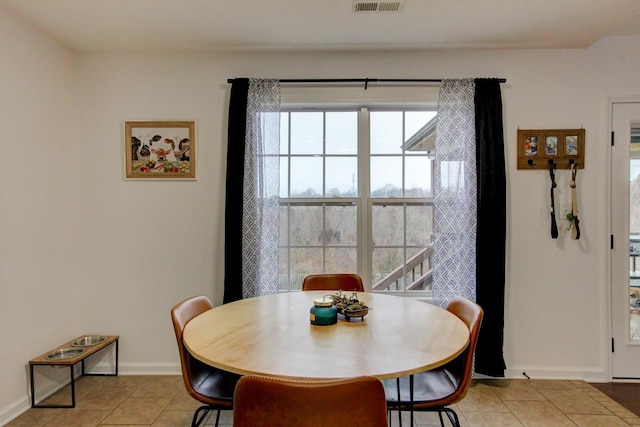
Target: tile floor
x=162, y=401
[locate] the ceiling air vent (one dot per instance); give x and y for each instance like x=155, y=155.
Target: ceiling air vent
x=377, y=6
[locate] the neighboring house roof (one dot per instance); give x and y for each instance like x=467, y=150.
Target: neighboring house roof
x=424, y=139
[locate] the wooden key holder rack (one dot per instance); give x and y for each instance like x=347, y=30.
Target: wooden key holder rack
x=560, y=148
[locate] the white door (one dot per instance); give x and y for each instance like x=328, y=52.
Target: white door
x=625, y=227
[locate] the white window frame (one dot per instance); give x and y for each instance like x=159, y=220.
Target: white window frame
x=364, y=203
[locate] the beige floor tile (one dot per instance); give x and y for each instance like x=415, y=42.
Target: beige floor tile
x=538, y=414
x=35, y=417
x=87, y=384
x=553, y=384
x=127, y=380
x=226, y=418
x=492, y=419
x=75, y=417
x=584, y=420
x=422, y=419
x=174, y=419
x=482, y=400
x=157, y=389
x=137, y=410
x=514, y=390
x=163, y=401
x=105, y=398
x=183, y=402
x=574, y=402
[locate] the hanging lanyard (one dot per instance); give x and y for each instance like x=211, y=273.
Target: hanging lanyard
x=554, y=225
x=574, y=203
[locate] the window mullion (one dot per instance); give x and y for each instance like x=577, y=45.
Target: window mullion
x=364, y=192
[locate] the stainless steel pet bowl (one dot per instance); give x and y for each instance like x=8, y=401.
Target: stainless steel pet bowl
x=88, y=341
x=64, y=353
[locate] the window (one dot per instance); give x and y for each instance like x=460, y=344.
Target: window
x=355, y=193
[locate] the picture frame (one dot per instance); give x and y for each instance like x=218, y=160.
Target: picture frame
x=560, y=148
x=160, y=149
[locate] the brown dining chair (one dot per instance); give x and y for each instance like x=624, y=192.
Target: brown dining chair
x=333, y=282
x=272, y=402
x=436, y=389
x=208, y=385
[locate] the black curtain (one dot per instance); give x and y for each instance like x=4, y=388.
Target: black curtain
x=234, y=187
x=491, y=226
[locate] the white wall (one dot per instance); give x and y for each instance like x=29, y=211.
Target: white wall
x=556, y=311
x=86, y=251
x=39, y=252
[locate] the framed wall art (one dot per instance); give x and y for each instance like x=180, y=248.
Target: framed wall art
x=537, y=149
x=160, y=149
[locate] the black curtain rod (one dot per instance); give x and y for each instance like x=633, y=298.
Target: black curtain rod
x=366, y=81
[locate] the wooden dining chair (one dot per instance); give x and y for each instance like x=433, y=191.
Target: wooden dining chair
x=208, y=385
x=436, y=389
x=333, y=282
x=272, y=402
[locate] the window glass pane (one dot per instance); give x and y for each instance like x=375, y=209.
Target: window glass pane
x=385, y=261
x=283, y=269
x=341, y=260
x=342, y=132
x=419, y=225
x=306, y=177
x=304, y=261
x=417, y=178
x=306, y=133
x=284, y=133
x=386, y=177
x=342, y=176
x=306, y=225
x=284, y=225
x=415, y=120
x=284, y=177
x=387, y=225
x=386, y=132
x=418, y=275
x=341, y=226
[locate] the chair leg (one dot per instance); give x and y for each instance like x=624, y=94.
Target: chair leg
x=399, y=400
x=453, y=417
x=411, y=397
x=197, y=421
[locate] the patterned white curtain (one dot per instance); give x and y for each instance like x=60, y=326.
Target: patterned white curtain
x=260, y=221
x=455, y=195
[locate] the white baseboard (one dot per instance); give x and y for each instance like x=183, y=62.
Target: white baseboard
x=14, y=410
x=149, y=369
x=565, y=373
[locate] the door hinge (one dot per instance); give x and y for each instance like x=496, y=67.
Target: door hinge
x=613, y=138
x=613, y=345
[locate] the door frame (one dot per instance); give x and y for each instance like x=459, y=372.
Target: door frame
x=611, y=100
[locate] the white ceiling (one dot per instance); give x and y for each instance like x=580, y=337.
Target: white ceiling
x=248, y=25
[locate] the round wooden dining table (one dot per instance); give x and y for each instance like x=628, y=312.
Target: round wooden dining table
x=272, y=336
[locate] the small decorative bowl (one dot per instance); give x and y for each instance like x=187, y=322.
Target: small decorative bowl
x=355, y=313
